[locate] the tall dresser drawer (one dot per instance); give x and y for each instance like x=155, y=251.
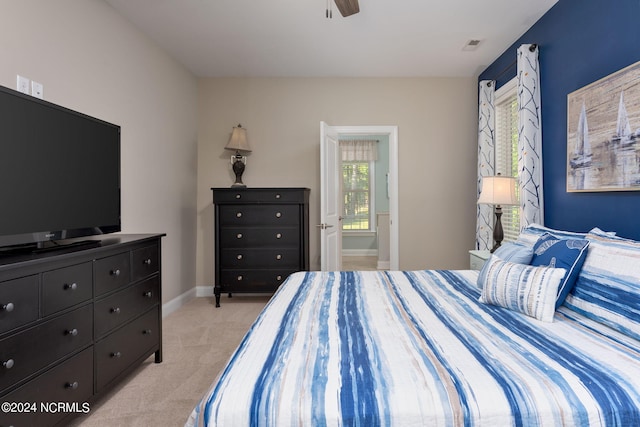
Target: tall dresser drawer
x=273, y=215
x=71, y=381
x=122, y=306
x=35, y=348
x=117, y=351
x=253, y=280
x=263, y=195
x=260, y=258
x=66, y=287
x=17, y=306
x=250, y=237
x=111, y=273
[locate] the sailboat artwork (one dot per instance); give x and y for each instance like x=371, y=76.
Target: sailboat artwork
x=582, y=154
x=603, y=149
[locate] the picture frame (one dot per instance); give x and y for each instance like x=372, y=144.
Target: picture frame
x=603, y=134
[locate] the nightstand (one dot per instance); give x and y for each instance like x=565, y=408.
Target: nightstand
x=477, y=259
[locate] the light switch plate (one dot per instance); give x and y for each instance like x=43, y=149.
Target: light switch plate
x=37, y=89
x=23, y=84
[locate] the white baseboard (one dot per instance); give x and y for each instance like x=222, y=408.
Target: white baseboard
x=179, y=301
x=359, y=252
x=383, y=265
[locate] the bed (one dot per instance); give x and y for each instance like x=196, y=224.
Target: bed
x=434, y=347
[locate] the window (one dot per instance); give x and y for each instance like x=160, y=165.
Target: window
x=356, y=190
x=506, y=151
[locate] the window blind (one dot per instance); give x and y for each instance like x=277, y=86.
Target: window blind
x=506, y=152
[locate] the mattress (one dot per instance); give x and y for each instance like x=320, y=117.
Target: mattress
x=416, y=348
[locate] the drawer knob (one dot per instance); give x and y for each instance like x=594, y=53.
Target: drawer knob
x=239, y=236
x=148, y=294
x=239, y=278
x=71, y=385
x=278, y=236
x=278, y=257
x=278, y=277
x=8, y=307
x=115, y=310
x=278, y=196
x=146, y=332
x=238, y=196
x=147, y=261
x=239, y=215
x=73, y=332
x=239, y=256
x=116, y=354
x=8, y=364
x=115, y=272
x=71, y=287
x=278, y=214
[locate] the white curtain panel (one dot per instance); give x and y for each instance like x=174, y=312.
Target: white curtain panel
x=529, y=137
x=359, y=150
x=486, y=160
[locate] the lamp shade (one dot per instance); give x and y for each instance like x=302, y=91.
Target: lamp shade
x=238, y=140
x=498, y=190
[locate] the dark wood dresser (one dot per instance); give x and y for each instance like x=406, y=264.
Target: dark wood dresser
x=261, y=236
x=73, y=323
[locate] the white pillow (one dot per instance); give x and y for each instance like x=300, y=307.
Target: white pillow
x=523, y=288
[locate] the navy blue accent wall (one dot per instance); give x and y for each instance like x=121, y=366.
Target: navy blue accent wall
x=580, y=41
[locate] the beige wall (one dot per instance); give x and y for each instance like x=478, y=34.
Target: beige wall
x=92, y=60
x=437, y=125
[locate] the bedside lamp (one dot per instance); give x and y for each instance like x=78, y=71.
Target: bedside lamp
x=239, y=143
x=498, y=190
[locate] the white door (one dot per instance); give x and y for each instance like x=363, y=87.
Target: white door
x=330, y=206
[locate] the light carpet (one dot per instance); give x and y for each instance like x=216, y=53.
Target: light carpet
x=198, y=339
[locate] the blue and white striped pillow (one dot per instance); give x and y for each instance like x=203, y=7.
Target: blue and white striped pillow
x=515, y=252
x=523, y=288
x=608, y=286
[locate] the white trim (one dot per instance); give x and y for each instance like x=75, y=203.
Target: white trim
x=180, y=300
x=359, y=252
x=383, y=265
x=392, y=131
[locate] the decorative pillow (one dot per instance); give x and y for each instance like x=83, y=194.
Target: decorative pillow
x=523, y=288
x=608, y=287
x=514, y=252
x=531, y=233
x=569, y=254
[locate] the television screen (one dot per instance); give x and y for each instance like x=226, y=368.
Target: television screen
x=59, y=172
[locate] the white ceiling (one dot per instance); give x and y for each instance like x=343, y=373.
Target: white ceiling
x=293, y=38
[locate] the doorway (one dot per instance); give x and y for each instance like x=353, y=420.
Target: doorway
x=384, y=228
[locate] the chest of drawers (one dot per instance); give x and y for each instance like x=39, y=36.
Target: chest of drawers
x=261, y=236
x=74, y=322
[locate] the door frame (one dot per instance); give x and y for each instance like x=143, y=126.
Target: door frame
x=392, y=132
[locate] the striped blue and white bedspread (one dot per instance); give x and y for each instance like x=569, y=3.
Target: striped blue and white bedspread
x=416, y=348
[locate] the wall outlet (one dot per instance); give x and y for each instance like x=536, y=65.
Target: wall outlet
x=23, y=84
x=37, y=89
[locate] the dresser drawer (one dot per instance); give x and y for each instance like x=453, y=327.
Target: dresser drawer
x=238, y=237
x=259, y=195
x=111, y=273
x=122, y=306
x=253, y=280
x=145, y=262
x=120, y=349
x=34, y=348
x=18, y=302
x=273, y=215
x=71, y=381
x=66, y=287
x=260, y=258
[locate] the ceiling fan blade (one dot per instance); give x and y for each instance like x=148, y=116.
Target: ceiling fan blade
x=348, y=7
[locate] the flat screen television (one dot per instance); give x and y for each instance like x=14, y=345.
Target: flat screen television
x=59, y=173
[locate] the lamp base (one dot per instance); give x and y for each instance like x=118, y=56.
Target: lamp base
x=498, y=232
x=238, y=169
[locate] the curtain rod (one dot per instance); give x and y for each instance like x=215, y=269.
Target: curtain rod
x=532, y=47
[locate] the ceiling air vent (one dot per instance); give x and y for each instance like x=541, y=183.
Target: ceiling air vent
x=472, y=44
